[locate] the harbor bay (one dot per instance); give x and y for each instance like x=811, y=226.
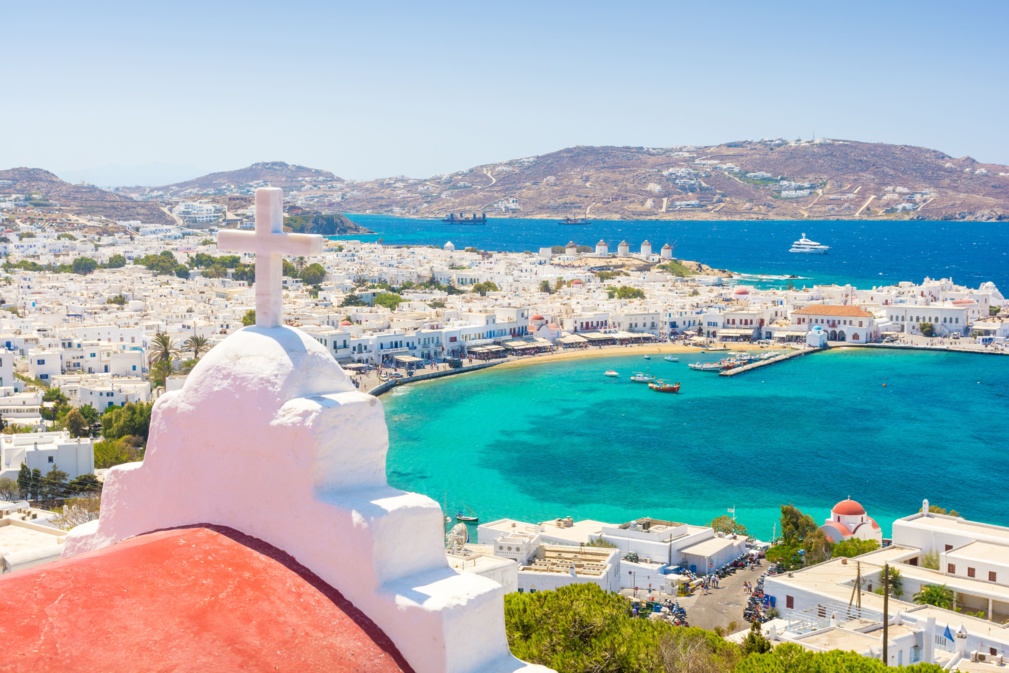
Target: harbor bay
x=862, y=253
x=560, y=439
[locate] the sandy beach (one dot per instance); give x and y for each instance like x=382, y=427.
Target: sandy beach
x=616, y=351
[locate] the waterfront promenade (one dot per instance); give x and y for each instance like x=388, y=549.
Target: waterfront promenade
x=372, y=383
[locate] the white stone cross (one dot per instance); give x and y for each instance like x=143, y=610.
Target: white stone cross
x=270, y=244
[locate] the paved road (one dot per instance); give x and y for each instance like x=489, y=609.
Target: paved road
x=724, y=605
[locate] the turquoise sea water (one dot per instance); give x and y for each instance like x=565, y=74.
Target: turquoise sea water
x=561, y=439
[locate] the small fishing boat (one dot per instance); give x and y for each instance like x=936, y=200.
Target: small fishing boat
x=705, y=366
x=661, y=386
x=648, y=357
x=671, y=358
x=611, y=373
x=641, y=377
x=467, y=518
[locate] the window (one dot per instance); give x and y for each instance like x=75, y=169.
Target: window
x=992, y=651
x=991, y=576
x=50, y=459
x=789, y=602
x=950, y=568
x=948, y=547
x=970, y=572
x=40, y=362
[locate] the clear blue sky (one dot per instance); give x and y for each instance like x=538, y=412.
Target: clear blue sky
x=369, y=89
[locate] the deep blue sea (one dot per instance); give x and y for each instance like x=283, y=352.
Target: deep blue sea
x=863, y=253
x=560, y=439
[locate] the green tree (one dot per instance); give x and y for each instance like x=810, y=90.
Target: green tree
x=159, y=372
x=938, y=595
x=545, y=287
x=854, y=547
x=36, y=484
x=792, y=658
x=483, y=288
x=936, y=509
x=163, y=348
x=755, y=642
x=110, y=452
x=313, y=274
x=802, y=541
x=288, y=269
x=726, y=524
x=76, y=424
x=249, y=318
x=131, y=419
x=24, y=481
x=581, y=629
x=118, y=300
x=54, y=484
x=83, y=265
x=91, y=416
x=196, y=345
x=353, y=299
x=927, y=329
x=85, y=483
x=390, y=300
x=9, y=489
x=930, y=560
x=625, y=292
x=116, y=261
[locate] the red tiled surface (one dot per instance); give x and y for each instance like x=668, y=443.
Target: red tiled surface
x=190, y=599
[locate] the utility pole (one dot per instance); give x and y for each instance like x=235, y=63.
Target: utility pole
x=886, y=611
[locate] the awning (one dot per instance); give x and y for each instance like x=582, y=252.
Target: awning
x=493, y=349
x=597, y=336
x=735, y=332
x=572, y=339
x=354, y=365
x=789, y=335
x=407, y=359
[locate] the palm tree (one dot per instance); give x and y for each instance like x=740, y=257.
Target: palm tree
x=197, y=344
x=938, y=595
x=163, y=348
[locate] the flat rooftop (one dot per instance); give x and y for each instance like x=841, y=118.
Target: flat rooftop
x=982, y=552
x=579, y=532
x=16, y=539
x=841, y=639
x=972, y=529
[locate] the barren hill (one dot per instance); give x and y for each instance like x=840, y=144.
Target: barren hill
x=48, y=195
x=741, y=180
x=263, y=174
x=767, y=179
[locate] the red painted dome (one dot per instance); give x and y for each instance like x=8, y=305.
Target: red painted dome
x=577, y=282
x=742, y=290
x=537, y=317
x=346, y=323
x=848, y=507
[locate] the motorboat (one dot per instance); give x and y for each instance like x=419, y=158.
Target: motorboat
x=611, y=372
x=648, y=357
x=706, y=366
x=641, y=377
x=804, y=245
x=671, y=358
x=661, y=386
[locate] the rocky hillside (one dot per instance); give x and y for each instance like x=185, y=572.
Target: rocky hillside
x=47, y=196
x=242, y=181
x=743, y=180
x=767, y=179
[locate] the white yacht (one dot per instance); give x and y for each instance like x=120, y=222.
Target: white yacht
x=809, y=247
